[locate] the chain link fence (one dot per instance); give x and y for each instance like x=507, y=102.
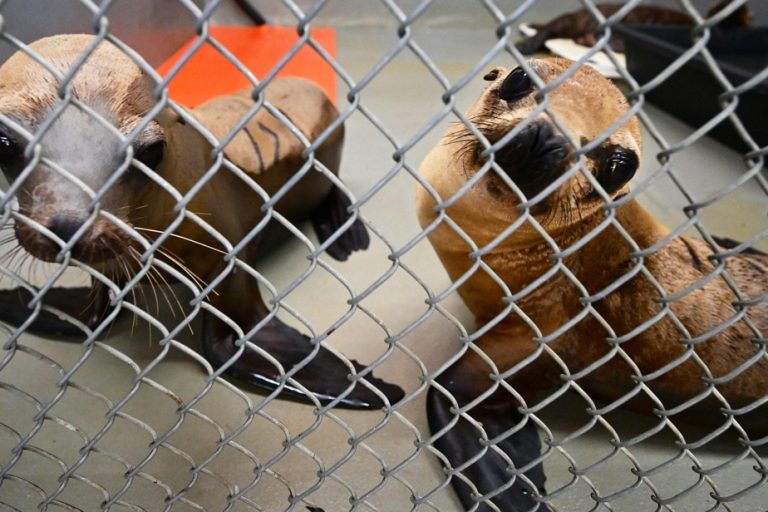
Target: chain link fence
x=132, y=416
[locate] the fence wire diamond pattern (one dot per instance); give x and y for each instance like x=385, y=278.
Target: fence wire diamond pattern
x=133, y=417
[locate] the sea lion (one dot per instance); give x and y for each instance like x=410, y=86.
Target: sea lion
x=79, y=189
x=582, y=26
x=591, y=308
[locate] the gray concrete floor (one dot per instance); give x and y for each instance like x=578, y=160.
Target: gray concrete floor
x=404, y=97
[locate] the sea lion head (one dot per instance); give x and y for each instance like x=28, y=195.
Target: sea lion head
x=585, y=105
x=80, y=144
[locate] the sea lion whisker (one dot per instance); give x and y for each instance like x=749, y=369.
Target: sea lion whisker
x=92, y=296
x=178, y=261
x=13, y=265
x=7, y=255
x=127, y=268
x=8, y=239
x=184, y=268
x=151, y=285
x=29, y=268
x=154, y=285
x=134, y=220
x=159, y=276
x=465, y=144
x=122, y=266
x=181, y=237
x=459, y=135
x=459, y=138
x=13, y=254
x=23, y=265
x=113, y=276
x=135, y=320
x=163, y=251
x=175, y=298
x=462, y=135
x=126, y=208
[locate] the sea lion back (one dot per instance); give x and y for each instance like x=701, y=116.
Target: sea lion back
x=302, y=112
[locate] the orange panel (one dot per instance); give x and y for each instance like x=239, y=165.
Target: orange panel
x=209, y=73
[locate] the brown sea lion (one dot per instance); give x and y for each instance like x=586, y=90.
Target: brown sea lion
x=79, y=189
x=582, y=26
x=612, y=302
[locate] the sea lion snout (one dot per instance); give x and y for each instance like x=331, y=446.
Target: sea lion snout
x=535, y=158
x=579, y=112
x=100, y=242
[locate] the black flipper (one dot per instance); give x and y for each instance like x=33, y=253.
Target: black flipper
x=88, y=305
x=497, y=414
x=533, y=44
x=730, y=243
x=329, y=217
x=325, y=375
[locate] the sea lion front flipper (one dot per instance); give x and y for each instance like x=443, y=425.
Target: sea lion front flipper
x=730, y=243
x=532, y=44
x=330, y=216
x=89, y=305
x=325, y=375
x=497, y=415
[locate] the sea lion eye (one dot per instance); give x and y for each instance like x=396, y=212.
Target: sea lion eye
x=11, y=156
x=616, y=168
x=516, y=85
x=9, y=150
x=152, y=154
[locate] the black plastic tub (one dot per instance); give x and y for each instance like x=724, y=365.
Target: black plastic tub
x=692, y=93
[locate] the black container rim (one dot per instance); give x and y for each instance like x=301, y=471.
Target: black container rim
x=640, y=33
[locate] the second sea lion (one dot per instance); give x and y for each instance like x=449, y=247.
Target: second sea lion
x=582, y=26
x=612, y=303
x=176, y=205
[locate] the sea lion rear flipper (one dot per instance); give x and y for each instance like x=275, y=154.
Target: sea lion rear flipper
x=325, y=376
x=89, y=305
x=491, y=472
x=330, y=216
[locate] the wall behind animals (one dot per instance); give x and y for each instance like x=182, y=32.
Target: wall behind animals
x=446, y=12
x=171, y=23
x=155, y=28
x=158, y=27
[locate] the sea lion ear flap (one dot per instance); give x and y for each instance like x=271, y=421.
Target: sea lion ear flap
x=494, y=74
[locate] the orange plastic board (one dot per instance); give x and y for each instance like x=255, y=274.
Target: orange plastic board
x=209, y=73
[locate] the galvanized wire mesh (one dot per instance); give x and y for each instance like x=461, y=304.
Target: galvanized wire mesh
x=163, y=430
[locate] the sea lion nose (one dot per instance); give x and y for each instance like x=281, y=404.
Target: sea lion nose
x=535, y=158
x=538, y=145
x=64, y=226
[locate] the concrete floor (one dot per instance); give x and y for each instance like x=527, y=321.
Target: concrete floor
x=404, y=97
